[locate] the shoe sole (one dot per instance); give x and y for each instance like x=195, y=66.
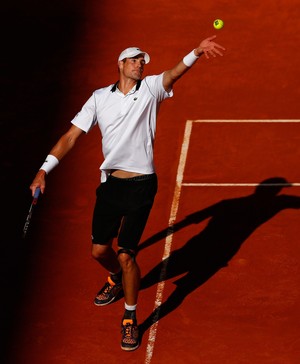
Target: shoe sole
x=130, y=348
x=104, y=304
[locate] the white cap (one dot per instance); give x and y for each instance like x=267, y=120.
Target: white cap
x=132, y=52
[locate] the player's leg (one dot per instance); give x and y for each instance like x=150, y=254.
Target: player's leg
x=133, y=225
x=106, y=223
x=131, y=275
x=107, y=257
x=131, y=283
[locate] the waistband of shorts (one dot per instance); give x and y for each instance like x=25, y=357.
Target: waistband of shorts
x=142, y=177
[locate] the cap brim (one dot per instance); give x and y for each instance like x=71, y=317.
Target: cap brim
x=132, y=55
x=146, y=57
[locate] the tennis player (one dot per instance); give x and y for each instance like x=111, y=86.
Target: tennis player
x=126, y=114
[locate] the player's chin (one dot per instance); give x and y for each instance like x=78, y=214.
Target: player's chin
x=136, y=79
x=137, y=76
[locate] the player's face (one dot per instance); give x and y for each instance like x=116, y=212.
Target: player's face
x=133, y=67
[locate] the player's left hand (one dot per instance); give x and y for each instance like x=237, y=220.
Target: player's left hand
x=209, y=48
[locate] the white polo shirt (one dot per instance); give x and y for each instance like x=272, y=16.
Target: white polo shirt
x=127, y=124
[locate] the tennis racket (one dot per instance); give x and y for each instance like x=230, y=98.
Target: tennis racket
x=29, y=216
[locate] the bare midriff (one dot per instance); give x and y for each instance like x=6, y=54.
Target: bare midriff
x=124, y=174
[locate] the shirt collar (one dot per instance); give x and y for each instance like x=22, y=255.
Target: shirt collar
x=137, y=86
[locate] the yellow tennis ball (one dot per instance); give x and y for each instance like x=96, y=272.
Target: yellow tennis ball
x=218, y=24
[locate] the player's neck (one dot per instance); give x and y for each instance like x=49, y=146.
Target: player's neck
x=126, y=84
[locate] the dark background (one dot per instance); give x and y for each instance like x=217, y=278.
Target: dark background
x=37, y=45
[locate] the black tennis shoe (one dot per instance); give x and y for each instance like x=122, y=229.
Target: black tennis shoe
x=130, y=335
x=107, y=293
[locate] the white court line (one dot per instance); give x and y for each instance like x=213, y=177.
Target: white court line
x=239, y=184
x=248, y=121
x=174, y=210
x=169, y=238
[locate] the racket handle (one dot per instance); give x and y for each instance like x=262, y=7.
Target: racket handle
x=37, y=193
x=36, y=196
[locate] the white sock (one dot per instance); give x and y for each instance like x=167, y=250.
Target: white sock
x=130, y=307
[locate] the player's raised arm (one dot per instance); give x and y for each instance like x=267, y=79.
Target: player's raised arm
x=207, y=47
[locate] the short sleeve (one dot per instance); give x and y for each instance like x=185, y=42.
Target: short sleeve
x=86, y=119
x=155, y=85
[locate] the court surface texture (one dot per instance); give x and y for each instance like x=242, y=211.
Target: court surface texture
x=220, y=255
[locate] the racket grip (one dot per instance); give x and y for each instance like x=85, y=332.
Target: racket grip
x=36, y=193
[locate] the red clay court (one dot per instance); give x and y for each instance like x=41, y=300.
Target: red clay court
x=220, y=254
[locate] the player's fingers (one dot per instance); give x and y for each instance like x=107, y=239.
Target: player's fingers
x=206, y=53
x=212, y=37
x=32, y=190
x=219, y=46
x=218, y=52
x=211, y=52
x=35, y=187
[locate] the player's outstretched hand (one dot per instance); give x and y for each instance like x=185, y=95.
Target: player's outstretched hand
x=210, y=48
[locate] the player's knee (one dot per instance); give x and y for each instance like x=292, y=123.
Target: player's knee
x=100, y=251
x=126, y=257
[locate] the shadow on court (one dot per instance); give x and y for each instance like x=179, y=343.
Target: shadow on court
x=231, y=222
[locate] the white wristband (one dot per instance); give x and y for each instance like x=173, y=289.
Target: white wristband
x=50, y=163
x=190, y=59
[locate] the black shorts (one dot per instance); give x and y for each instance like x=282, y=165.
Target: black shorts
x=122, y=209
